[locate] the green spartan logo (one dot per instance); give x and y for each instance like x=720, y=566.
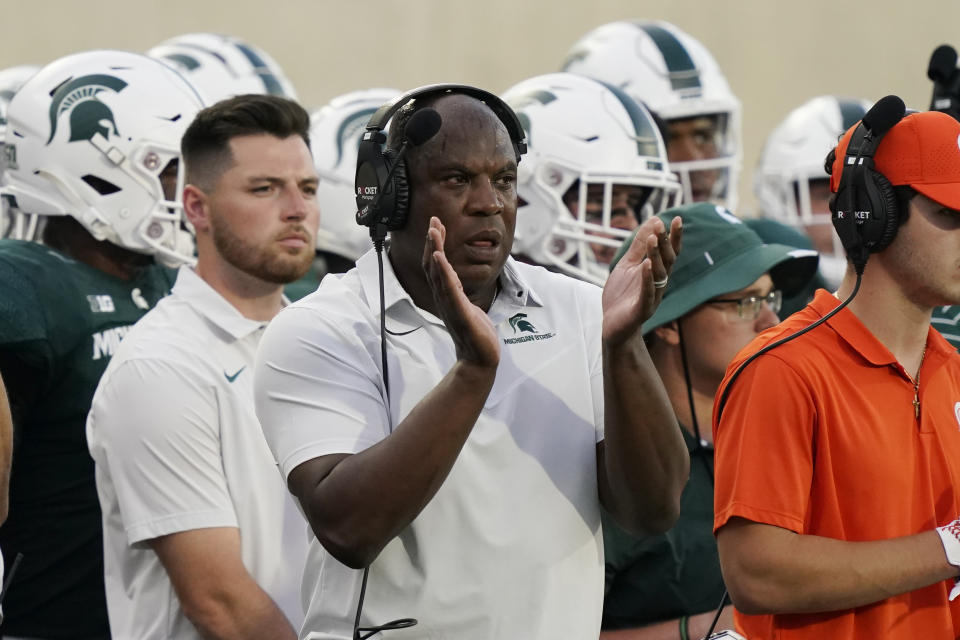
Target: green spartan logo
x=519, y=324
x=88, y=116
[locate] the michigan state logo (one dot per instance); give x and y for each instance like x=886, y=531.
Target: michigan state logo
x=522, y=326
x=519, y=324
x=87, y=115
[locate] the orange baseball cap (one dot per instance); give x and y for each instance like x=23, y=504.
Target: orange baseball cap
x=922, y=151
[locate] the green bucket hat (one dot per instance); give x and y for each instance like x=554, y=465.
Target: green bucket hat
x=721, y=254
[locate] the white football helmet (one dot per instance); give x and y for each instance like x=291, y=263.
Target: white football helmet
x=583, y=133
x=792, y=157
x=674, y=76
x=223, y=66
x=90, y=135
x=13, y=223
x=335, y=131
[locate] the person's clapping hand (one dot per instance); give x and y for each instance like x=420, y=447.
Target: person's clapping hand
x=635, y=286
x=473, y=334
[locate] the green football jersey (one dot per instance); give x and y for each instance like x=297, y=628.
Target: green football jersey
x=945, y=320
x=60, y=322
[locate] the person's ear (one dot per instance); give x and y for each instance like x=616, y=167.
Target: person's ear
x=195, y=207
x=668, y=333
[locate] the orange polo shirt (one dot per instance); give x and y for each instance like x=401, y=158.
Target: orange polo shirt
x=819, y=436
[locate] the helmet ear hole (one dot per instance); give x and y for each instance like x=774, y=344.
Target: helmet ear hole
x=101, y=186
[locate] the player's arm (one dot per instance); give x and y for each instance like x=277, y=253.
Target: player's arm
x=642, y=462
x=217, y=594
x=768, y=569
x=357, y=503
x=6, y=451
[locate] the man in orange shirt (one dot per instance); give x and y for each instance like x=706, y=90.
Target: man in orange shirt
x=838, y=453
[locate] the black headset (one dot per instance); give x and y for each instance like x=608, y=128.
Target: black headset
x=382, y=190
x=865, y=212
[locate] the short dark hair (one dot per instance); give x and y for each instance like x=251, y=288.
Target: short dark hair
x=205, y=146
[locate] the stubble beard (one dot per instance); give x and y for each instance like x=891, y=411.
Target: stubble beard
x=270, y=264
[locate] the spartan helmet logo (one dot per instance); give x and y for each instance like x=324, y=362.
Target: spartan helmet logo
x=88, y=116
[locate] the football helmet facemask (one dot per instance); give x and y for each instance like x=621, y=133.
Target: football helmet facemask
x=13, y=223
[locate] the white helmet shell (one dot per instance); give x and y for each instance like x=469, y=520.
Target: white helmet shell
x=794, y=154
x=582, y=132
x=89, y=135
x=792, y=157
x=221, y=67
x=335, y=131
x=676, y=77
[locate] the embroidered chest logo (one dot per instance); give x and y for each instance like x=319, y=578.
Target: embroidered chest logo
x=527, y=332
x=88, y=116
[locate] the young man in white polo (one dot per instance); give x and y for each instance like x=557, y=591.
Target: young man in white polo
x=197, y=520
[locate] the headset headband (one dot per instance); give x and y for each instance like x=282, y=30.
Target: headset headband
x=378, y=121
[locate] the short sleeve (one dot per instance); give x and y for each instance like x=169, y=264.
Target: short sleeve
x=317, y=388
x=764, y=447
x=156, y=425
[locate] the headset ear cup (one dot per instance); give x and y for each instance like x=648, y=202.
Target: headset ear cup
x=891, y=211
x=401, y=198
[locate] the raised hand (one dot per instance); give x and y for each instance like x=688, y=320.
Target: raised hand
x=474, y=336
x=631, y=294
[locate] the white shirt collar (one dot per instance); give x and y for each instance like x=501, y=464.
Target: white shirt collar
x=207, y=302
x=514, y=293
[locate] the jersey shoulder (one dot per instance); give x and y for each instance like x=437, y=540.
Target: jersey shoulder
x=46, y=295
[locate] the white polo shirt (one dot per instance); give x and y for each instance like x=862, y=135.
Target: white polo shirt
x=177, y=447
x=510, y=546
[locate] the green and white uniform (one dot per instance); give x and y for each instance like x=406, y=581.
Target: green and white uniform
x=60, y=322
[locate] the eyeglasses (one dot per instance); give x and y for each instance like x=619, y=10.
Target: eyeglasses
x=749, y=308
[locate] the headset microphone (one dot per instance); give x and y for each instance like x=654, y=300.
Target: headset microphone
x=943, y=62
x=946, y=81
x=371, y=189
x=881, y=117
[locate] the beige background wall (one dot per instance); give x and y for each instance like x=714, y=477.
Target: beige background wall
x=775, y=54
